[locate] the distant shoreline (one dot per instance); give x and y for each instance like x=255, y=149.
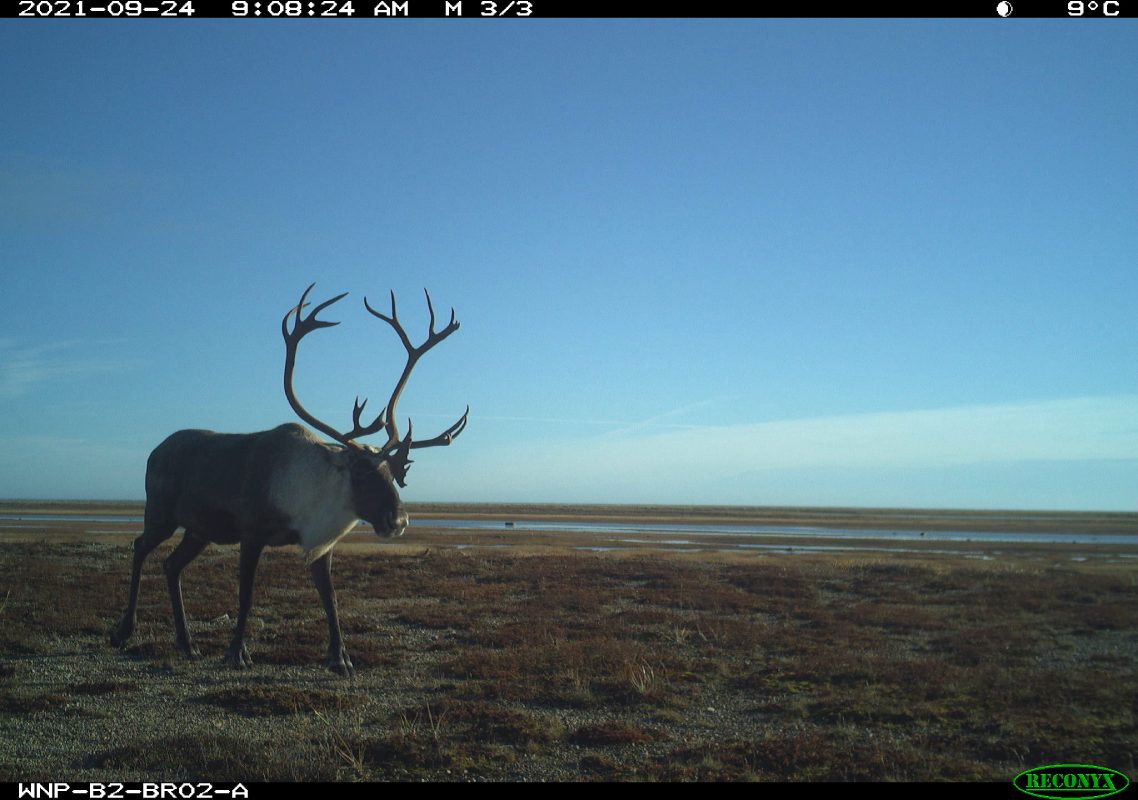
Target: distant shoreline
x=845, y=518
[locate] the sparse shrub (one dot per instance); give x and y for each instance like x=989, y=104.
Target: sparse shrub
x=267, y=699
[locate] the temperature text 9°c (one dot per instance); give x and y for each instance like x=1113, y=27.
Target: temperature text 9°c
x=1080, y=8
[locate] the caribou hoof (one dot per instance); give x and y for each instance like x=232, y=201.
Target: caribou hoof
x=238, y=657
x=340, y=664
x=188, y=650
x=121, y=633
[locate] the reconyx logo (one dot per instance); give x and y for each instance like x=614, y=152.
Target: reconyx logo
x=1071, y=781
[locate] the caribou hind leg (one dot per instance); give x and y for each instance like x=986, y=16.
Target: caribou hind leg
x=238, y=655
x=337, y=660
x=186, y=551
x=153, y=534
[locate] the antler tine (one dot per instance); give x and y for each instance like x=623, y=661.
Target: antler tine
x=398, y=452
x=431, y=309
x=303, y=325
x=433, y=337
x=431, y=324
x=444, y=438
x=358, y=431
x=393, y=321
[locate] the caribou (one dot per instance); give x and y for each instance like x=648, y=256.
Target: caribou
x=278, y=487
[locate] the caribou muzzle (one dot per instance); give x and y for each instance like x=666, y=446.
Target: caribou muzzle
x=390, y=524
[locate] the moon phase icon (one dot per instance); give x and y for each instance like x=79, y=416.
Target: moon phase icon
x=1004, y=9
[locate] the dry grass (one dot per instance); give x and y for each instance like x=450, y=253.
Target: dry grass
x=491, y=665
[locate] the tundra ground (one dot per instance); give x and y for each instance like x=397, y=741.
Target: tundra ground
x=549, y=664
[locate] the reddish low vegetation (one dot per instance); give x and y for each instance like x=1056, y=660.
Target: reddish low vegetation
x=485, y=664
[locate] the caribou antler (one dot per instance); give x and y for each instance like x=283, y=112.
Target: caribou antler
x=396, y=450
x=301, y=328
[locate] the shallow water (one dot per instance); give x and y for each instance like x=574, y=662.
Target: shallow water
x=681, y=536
x=768, y=532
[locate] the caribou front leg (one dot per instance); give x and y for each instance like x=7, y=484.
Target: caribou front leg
x=337, y=660
x=237, y=655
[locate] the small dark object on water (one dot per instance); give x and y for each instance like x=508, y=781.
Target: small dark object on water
x=509, y=524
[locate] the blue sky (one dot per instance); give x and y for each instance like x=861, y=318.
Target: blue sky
x=758, y=262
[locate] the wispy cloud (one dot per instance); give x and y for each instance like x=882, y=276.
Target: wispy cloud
x=24, y=367
x=548, y=420
x=665, y=420
x=1071, y=430
x=1060, y=430
x=621, y=426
